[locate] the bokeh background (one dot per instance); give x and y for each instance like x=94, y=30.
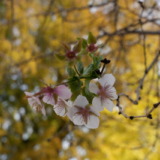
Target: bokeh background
x=31, y=35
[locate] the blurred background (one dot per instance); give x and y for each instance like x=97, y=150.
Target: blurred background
x=32, y=33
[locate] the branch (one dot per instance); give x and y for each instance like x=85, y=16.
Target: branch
x=56, y=12
x=141, y=81
x=147, y=115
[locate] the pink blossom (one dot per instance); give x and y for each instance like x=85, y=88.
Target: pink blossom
x=50, y=95
x=92, y=47
x=105, y=91
x=81, y=113
x=35, y=103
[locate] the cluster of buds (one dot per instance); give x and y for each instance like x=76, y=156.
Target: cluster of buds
x=87, y=90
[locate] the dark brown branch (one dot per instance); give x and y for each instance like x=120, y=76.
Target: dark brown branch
x=126, y=32
x=56, y=12
x=141, y=81
x=147, y=115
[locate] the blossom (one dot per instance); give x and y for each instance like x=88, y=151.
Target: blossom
x=92, y=47
x=50, y=94
x=61, y=107
x=81, y=113
x=71, y=54
x=35, y=103
x=105, y=91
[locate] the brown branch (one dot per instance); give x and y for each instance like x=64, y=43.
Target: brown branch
x=147, y=115
x=141, y=81
x=56, y=12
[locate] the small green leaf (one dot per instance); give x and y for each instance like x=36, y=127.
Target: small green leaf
x=75, y=86
x=71, y=72
x=97, y=61
x=77, y=46
x=83, y=52
x=86, y=92
x=88, y=70
x=91, y=38
x=80, y=67
x=66, y=46
x=84, y=43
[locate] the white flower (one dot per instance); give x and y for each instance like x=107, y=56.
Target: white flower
x=61, y=107
x=35, y=103
x=81, y=113
x=105, y=91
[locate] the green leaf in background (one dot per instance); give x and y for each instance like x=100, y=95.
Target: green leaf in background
x=97, y=61
x=86, y=92
x=80, y=67
x=91, y=38
x=77, y=47
x=71, y=72
x=75, y=85
x=84, y=43
x=88, y=70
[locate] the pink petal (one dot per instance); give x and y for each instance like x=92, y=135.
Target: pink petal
x=35, y=103
x=108, y=104
x=93, y=88
x=48, y=98
x=107, y=80
x=63, y=91
x=81, y=101
x=93, y=122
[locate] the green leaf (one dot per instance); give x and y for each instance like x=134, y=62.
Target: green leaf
x=88, y=70
x=91, y=38
x=83, y=52
x=97, y=61
x=71, y=72
x=66, y=46
x=84, y=43
x=75, y=86
x=77, y=46
x=86, y=92
x=80, y=67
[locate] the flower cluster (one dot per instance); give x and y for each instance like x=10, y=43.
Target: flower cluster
x=79, y=111
x=87, y=90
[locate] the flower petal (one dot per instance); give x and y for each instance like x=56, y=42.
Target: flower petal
x=108, y=104
x=96, y=105
x=93, y=122
x=35, y=103
x=48, y=98
x=81, y=101
x=111, y=93
x=78, y=119
x=107, y=80
x=71, y=112
x=63, y=91
x=61, y=111
x=93, y=88
x=61, y=107
x=43, y=111
x=28, y=94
